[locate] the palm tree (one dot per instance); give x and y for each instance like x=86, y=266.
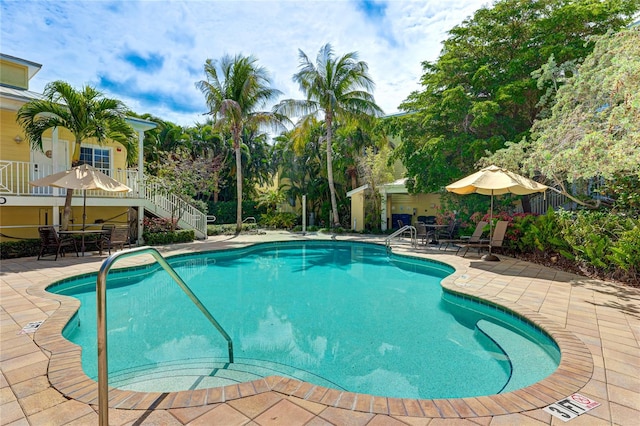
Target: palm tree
x=337, y=88
x=85, y=113
x=235, y=88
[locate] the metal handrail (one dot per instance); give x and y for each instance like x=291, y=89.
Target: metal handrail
x=101, y=310
x=400, y=231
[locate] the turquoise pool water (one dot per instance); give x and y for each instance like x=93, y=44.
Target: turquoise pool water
x=342, y=315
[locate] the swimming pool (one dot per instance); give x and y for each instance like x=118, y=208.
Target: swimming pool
x=341, y=315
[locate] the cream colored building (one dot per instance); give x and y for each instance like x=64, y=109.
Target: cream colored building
x=396, y=204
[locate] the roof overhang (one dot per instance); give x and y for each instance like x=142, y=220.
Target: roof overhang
x=397, y=187
x=357, y=190
x=140, y=125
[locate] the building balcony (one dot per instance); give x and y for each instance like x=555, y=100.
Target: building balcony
x=15, y=188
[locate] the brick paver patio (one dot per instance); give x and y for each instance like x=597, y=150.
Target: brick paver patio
x=596, y=324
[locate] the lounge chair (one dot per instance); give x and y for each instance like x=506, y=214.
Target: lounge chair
x=496, y=240
x=475, y=238
x=51, y=241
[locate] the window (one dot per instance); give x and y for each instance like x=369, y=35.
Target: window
x=100, y=158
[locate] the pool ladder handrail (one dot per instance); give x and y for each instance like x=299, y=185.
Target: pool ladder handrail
x=101, y=310
x=401, y=231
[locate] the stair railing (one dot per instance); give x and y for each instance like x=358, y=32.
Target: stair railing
x=401, y=232
x=101, y=313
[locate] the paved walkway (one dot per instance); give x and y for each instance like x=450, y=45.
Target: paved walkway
x=596, y=324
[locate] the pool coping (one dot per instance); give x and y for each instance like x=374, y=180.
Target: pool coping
x=573, y=373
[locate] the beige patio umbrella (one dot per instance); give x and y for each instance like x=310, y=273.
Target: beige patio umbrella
x=84, y=177
x=494, y=180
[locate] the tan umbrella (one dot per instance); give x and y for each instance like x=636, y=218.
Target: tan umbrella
x=494, y=180
x=82, y=177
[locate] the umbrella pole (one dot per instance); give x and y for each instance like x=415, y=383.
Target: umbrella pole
x=490, y=257
x=490, y=222
x=84, y=215
x=84, y=208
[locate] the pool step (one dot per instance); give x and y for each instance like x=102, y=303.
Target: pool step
x=520, y=354
x=205, y=373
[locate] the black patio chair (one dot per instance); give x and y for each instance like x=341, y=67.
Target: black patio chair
x=114, y=237
x=50, y=241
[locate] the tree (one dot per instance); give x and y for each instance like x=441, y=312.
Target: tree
x=271, y=198
x=594, y=127
x=338, y=88
x=298, y=157
x=85, y=113
x=256, y=155
x=480, y=93
x=165, y=137
x=185, y=176
x=235, y=88
x=206, y=142
x=374, y=169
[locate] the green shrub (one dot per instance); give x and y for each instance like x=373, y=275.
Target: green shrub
x=544, y=236
x=19, y=248
x=591, y=235
x=229, y=229
x=159, y=224
x=602, y=241
x=279, y=220
x=518, y=227
x=162, y=238
x=625, y=253
x=225, y=211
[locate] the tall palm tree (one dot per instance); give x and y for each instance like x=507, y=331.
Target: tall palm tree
x=338, y=88
x=235, y=89
x=86, y=113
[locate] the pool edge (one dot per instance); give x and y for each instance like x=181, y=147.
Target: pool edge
x=574, y=371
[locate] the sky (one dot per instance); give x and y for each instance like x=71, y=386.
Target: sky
x=150, y=54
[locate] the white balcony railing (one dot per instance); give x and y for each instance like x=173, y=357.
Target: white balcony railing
x=16, y=175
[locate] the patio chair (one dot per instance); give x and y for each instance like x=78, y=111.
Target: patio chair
x=475, y=238
x=422, y=234
x=407, y=232
x=447, y=235
x=51, y=241
x=114, y=237
x=496, y=240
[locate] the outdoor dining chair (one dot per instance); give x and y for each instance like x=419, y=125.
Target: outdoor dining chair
x=422, y=233
x=50, y=241
x=446, y=236
x=114, y=237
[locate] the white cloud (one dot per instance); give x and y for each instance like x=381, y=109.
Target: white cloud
x=87, y=42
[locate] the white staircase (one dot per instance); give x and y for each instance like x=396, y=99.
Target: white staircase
x=168, y=205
